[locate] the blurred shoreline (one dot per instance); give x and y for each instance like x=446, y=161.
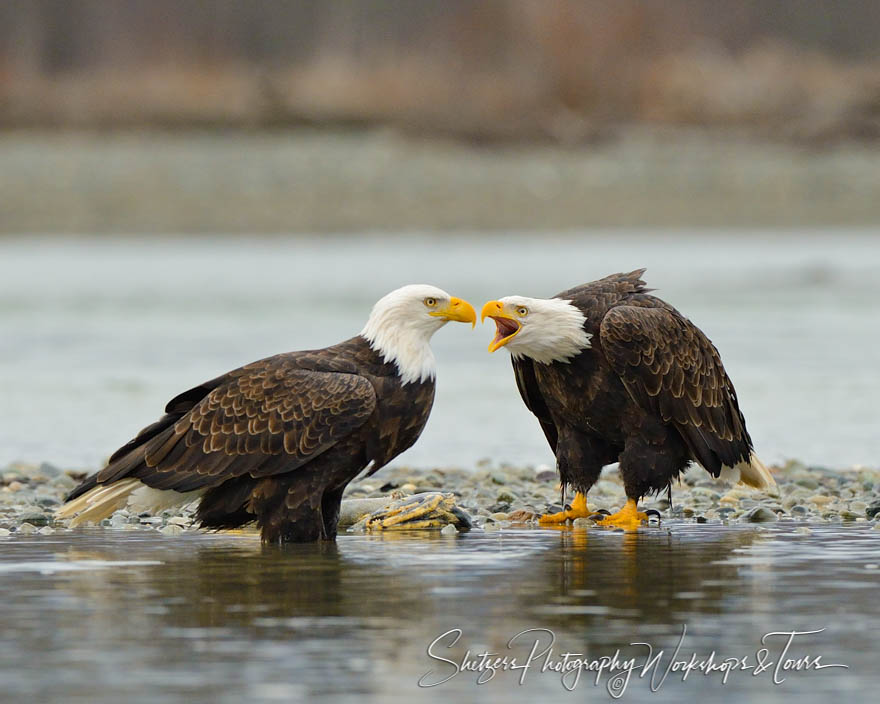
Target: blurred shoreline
x=356, y=180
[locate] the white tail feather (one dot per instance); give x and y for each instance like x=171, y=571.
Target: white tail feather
x=752, y=473
x=98, y=503
x=102, y=501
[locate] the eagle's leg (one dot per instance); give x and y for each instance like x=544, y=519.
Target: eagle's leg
x=629, y=517
x=578, y=509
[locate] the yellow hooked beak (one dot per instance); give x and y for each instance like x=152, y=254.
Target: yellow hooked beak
x=506, y=326
x=458, y=310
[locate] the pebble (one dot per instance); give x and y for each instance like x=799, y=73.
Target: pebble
x=171, y=529
x=449, y=529
x=761, y=514
x=46, y=530
x=494, y=493
x=5, y=532
x=505, y=497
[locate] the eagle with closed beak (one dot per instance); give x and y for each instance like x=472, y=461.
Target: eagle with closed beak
x=277, y=441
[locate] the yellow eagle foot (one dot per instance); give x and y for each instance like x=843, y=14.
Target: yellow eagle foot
x=578, y=509
x=628, y=518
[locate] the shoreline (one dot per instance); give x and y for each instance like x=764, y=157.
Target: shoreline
x=493, y=495
x=319, y=181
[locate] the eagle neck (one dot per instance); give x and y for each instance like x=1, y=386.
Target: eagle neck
x=411, y=356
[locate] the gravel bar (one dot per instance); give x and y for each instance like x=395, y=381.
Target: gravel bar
x=500, y=496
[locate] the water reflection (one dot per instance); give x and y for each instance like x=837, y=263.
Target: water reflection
x=223, y=618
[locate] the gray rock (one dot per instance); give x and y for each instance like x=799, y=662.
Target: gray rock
x=36, y=519
x=760, y=514
x=26, y=529
x=171, y=529
x=64, y=481
x=449, y=529
x=49, y=470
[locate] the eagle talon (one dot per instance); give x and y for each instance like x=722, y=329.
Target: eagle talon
x=577, y=509
x=629, y=517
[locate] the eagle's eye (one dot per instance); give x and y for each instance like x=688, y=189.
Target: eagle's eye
x=430, y=302
x=522, y=311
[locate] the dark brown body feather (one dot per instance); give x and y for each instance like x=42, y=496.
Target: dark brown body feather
x=650, y=393
x=278, y=440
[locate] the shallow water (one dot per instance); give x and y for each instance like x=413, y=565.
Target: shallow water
x=97, y=334
x=117, y=616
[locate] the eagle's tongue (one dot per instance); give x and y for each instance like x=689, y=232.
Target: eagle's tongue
x=504, y=327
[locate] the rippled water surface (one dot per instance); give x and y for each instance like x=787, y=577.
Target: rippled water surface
x=96, y=335
x=117, y=616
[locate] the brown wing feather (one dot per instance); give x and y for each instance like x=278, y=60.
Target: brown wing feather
x=268, y=417
x=672, y=369
x=530, y=391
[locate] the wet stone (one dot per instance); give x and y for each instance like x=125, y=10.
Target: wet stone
x=505, y=497
x=26, y=529
x=760, y=514
x=171, y=529
x=36, y=519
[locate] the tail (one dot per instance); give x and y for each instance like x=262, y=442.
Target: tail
x=752, y=473
x=103, y=500
x=98, y=502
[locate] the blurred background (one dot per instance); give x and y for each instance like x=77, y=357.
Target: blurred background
x=188, y=185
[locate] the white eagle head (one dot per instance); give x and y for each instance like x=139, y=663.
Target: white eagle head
x=402, y=323
x=544, y=329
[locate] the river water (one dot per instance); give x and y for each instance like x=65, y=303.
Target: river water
x=137, y=617
x=96, y=334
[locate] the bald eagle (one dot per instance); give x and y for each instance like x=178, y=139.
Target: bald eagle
x=276, y=441
x=615, y=374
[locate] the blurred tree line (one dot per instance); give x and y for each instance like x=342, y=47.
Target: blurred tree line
x=566, y=70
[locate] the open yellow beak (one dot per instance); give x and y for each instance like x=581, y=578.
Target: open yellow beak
x=458, y=310
x=506, y=326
